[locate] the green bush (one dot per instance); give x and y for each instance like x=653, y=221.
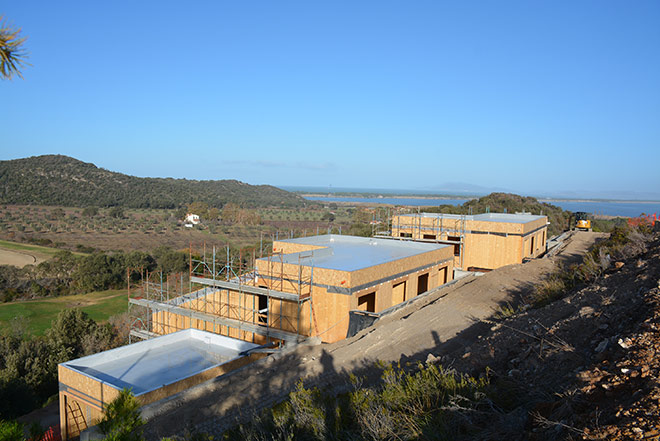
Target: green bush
x=122, y=420
x=11, y=431
x=405, y=405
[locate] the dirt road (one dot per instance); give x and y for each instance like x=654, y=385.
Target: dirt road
x=17, y=258
x=446, y=319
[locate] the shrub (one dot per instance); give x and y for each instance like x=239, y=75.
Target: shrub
x=624, y=242
x=11, y=431
x=122, y=420
x=407, y=405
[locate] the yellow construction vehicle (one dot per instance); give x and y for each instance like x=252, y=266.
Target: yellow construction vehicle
x=582, y=221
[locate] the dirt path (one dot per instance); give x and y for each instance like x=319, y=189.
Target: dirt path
x=18, y=258
x=444, y=320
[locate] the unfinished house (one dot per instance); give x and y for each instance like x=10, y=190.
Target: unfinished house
x=153, y=369
x=306, y=288
x=480, y=242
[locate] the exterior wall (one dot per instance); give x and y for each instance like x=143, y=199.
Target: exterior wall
x=404, y=287
x=284, y=315
x=78, y=391
x=486, y=244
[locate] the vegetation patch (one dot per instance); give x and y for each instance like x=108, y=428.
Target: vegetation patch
x=36, y=316
x=28, y=364
x=624, y=242
x=426, y=402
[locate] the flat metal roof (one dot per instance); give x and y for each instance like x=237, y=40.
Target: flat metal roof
x=512, y=218
x=351, y=253
x=157, y=362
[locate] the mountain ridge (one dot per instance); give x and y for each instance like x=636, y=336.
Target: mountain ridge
x=66, y=181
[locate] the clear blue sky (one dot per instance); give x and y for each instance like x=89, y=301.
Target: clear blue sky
x=534, y=97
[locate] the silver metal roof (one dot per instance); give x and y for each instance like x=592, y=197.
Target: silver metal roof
x=513, y=218
x=351, y=253
x=154, y=363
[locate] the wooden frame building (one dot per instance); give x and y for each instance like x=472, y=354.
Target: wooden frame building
x=481, y=242
x=306, y=288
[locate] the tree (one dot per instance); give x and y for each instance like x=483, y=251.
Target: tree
x=67, y=332
x=12, y=53
x=122, y=420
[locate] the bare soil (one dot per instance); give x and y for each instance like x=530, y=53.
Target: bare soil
x=444, y=323
x=18, y=258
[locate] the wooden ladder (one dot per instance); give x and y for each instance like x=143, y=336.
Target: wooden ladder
x=77, y=415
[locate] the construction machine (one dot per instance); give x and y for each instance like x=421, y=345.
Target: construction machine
x=582, y=221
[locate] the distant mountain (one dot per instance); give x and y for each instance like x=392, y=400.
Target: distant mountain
x=61, y=180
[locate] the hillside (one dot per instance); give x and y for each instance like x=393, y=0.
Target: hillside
x=509, y=203
x=64, y=181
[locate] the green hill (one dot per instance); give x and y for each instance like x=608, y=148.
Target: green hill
x=61, y=180
x=510, y=203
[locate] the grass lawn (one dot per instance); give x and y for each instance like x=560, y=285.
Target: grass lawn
x=38, y=314
x=37, y=250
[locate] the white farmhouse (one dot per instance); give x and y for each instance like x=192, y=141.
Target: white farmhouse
x=191, y=220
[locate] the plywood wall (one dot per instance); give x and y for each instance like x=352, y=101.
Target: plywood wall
x=508, y=243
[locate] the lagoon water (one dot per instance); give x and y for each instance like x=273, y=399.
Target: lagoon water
x=390, y=200
x=610, y=208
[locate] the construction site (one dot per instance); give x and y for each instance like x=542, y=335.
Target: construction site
x=480, y=242
x=222, y=316
x=152, y=369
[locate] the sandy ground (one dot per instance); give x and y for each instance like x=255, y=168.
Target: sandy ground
x=18, y=258
x=442, y=321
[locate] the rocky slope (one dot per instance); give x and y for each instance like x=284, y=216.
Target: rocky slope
x=584, y=367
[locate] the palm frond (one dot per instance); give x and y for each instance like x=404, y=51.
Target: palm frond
x=12, y=53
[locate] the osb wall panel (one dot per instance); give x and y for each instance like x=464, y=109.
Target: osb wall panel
x=385, y=296
x=491, y=251
x=435, y=226
x=539, y=244
x=289, y=247
x=330, y=315
x=286, y=276
x=85, y=392
x=323, y=276
x=531, y=226
x=69, y=427
x=239, y=306
x=389, y=269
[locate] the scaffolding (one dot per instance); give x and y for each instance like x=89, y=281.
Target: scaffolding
x=450, y=226
x=225, y=294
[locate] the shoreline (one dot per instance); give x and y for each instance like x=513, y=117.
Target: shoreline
x=444, y=197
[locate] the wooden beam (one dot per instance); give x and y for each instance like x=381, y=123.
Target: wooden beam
x=237, y=324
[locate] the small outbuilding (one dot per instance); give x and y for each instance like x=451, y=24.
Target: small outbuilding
x=153, y=369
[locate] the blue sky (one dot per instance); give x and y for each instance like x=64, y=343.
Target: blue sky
x=533, y=97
